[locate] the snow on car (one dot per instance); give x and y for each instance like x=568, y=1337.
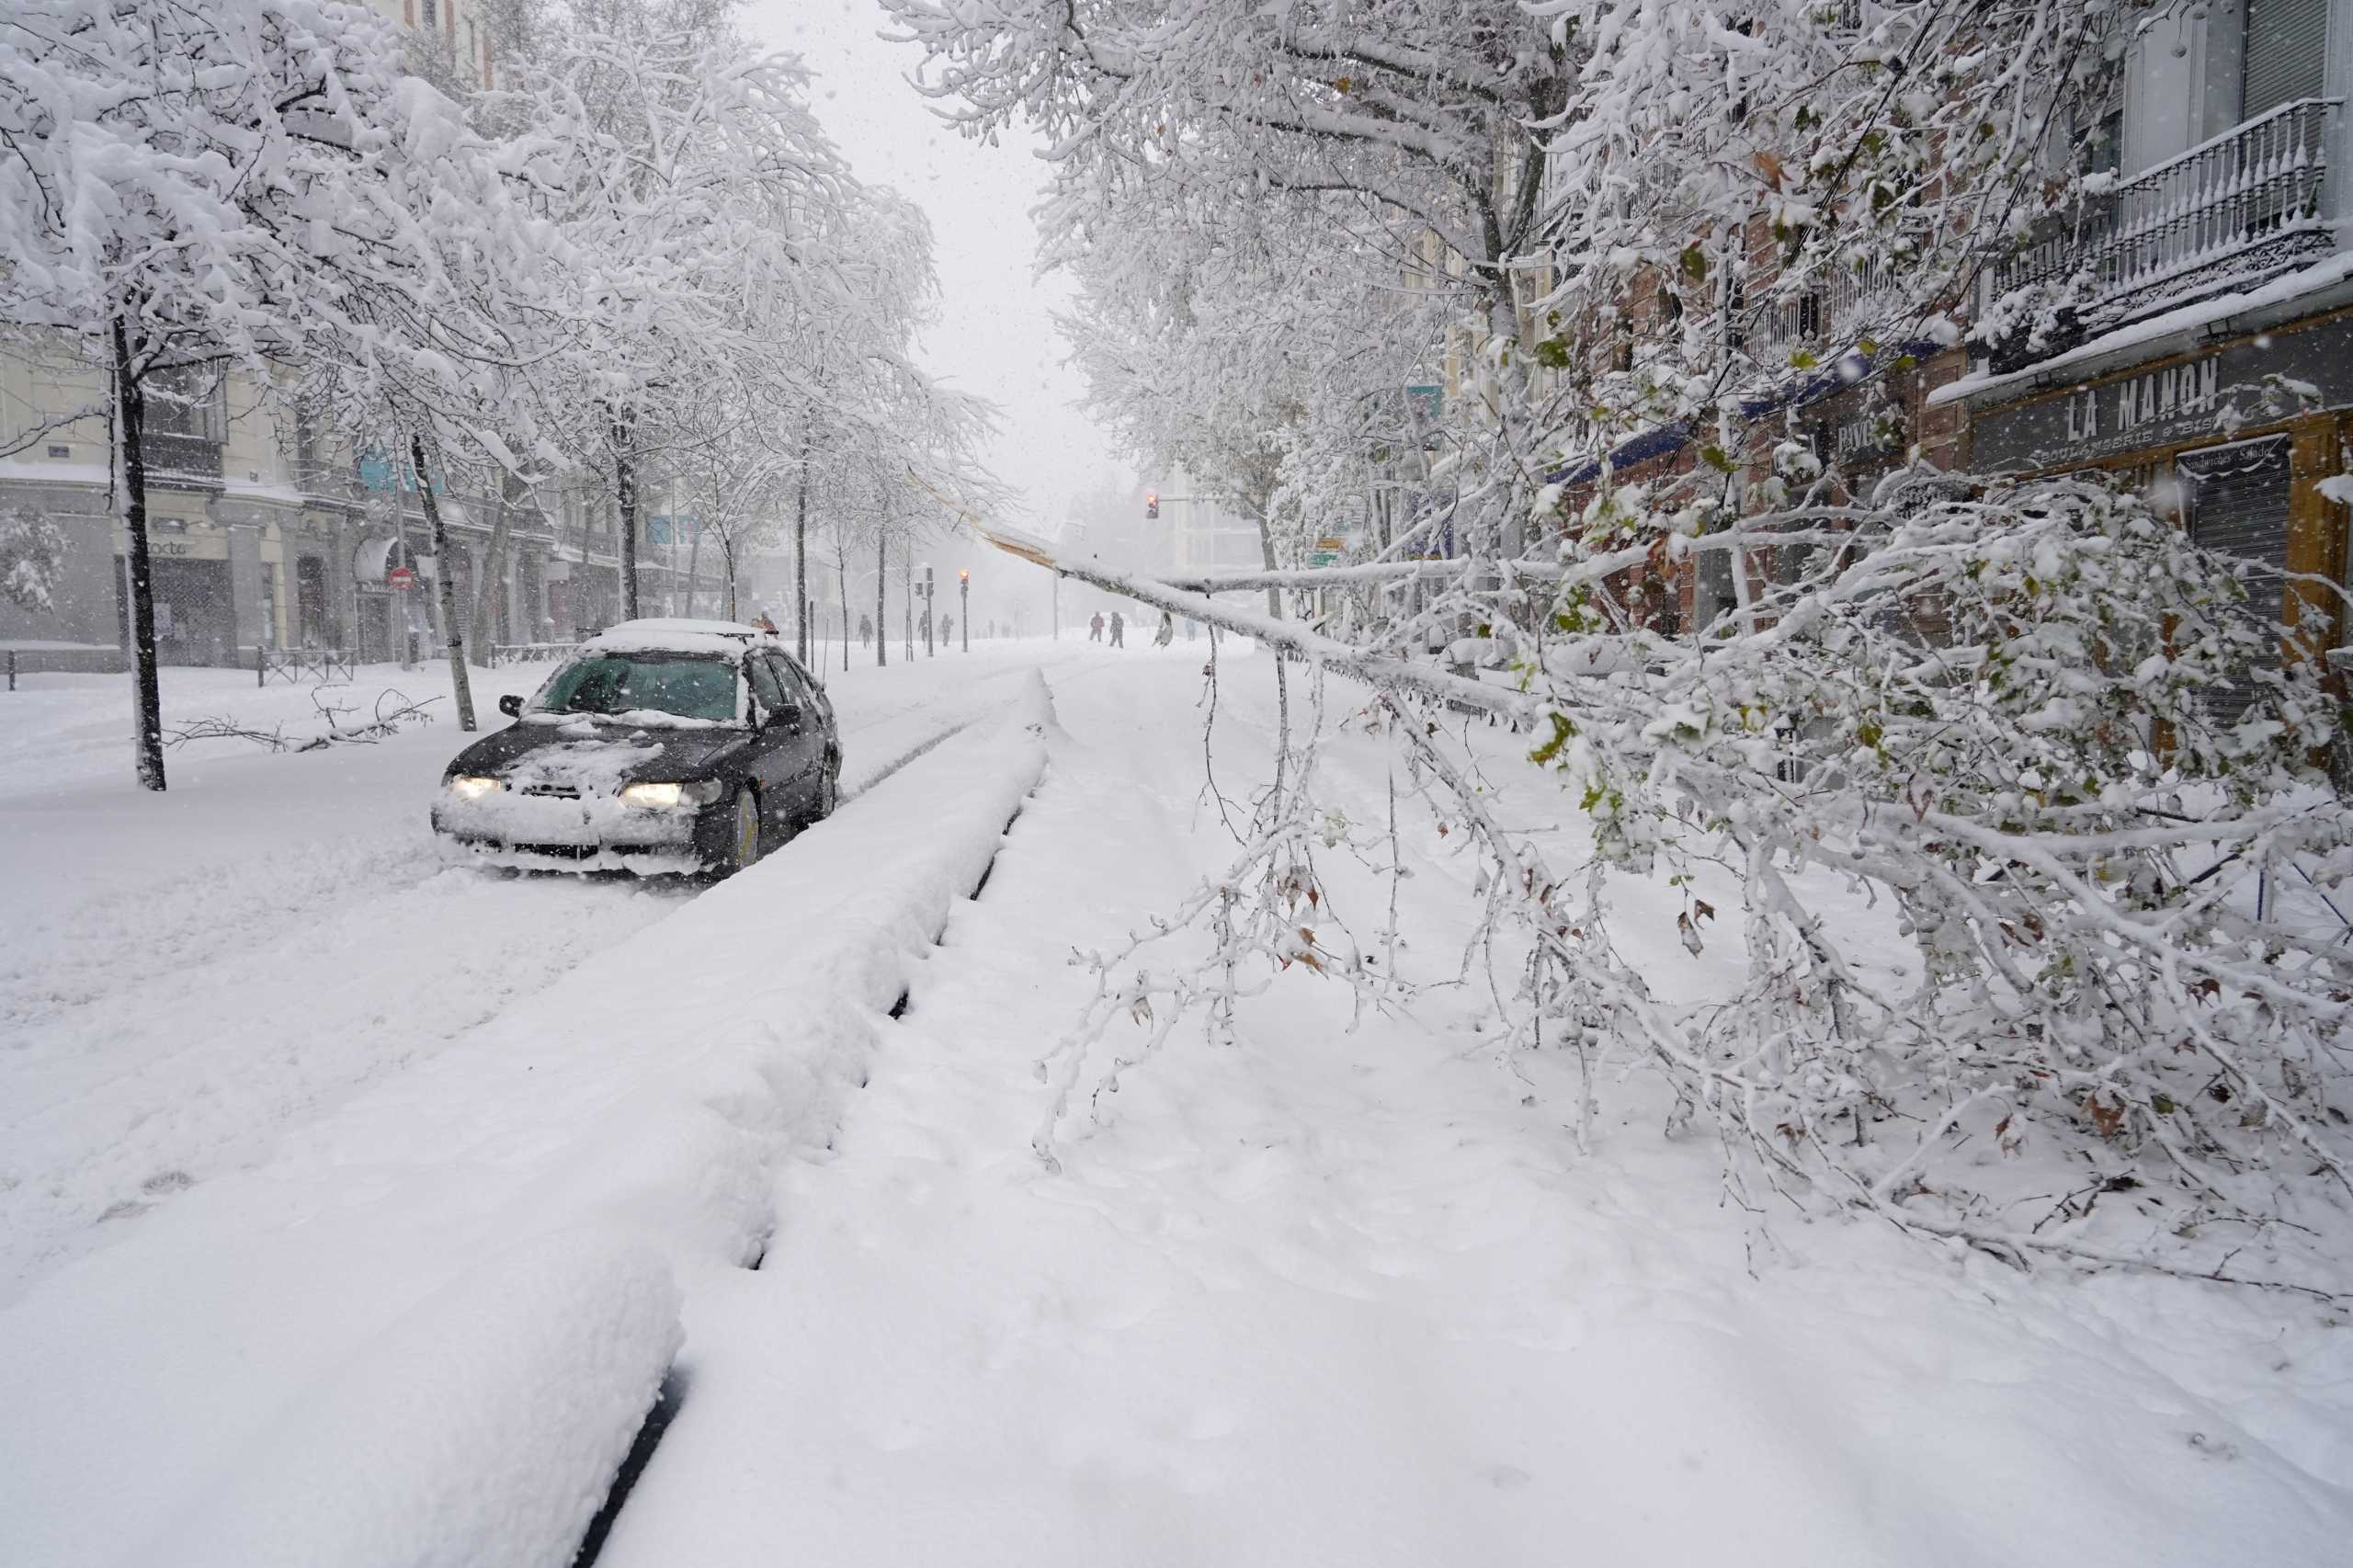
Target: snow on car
x=659, y=747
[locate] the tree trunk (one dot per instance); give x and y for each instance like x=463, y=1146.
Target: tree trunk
x=625, y=499
x=841, y=580
x=492, y=575
x=801, y=562
x=694, y=558
x=448, y=590
x=146, y=693
x=881, y=598
x=1267, y=553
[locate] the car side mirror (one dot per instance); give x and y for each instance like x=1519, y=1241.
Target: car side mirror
x=511, y=705
x=787, y=716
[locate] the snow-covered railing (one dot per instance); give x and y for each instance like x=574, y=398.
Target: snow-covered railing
x=171, y=455
x=295, y=666
x=530, y=653
x=1827, y=313
x=2256, y=188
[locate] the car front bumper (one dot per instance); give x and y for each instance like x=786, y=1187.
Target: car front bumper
x=580, y=834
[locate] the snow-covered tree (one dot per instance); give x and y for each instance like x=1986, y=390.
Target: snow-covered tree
x=246, y=184
x=2028, y=721
x=32, y=550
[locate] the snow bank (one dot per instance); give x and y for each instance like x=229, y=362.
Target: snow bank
x=483, y=1427
x=641, y=1104
x=1347, y=1293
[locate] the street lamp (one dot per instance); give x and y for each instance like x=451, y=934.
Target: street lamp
x=964, y=606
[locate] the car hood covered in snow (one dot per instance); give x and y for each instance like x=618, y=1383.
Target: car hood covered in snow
x=597, y=757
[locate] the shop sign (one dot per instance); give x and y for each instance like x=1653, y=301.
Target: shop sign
x=2257, y=381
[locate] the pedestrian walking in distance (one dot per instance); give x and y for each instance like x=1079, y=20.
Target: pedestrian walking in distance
x=1095, y=627
x=1119, y=626
x=1168, y=631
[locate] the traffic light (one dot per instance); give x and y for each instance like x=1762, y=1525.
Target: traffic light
x=1152, y=504
x=963, y=574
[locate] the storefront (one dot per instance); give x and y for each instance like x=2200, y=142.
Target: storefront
x=2234, y=436
x=192, y=585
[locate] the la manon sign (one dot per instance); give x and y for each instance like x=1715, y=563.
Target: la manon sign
x=2255, y=381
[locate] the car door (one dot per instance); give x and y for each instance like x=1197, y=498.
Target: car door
x=806, y=744
x=827, y=727
x=776, y=740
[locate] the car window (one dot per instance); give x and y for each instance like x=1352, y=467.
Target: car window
x=764, y=685
x=788, y=676
x=685, y=687
x=791, y=668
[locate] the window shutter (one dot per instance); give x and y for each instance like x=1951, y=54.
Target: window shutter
x=2286, y=56
x=2239, y=504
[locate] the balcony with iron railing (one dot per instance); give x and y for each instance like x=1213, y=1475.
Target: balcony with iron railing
x=1829, y=314
x=2230, y=212
x=178, y=461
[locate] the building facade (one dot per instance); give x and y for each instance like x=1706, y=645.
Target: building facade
x=268, y=533
x=2204, y=349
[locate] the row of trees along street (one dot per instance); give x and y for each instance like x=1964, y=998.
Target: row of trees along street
x=2030, y=830
x=637, y=251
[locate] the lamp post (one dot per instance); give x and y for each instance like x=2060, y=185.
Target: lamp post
x=964, y=606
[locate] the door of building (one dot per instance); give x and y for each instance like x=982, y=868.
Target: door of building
x=311, y=602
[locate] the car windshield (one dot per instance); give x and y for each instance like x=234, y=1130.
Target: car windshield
x=686, y=686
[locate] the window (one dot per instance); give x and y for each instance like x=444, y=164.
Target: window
x=2286, y=55
x=682, y=685
x=186, y=399
x=766, y=688
x=431, y=13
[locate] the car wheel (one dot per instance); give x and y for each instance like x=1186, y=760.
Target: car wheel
x=829, y=791
x=744, y=830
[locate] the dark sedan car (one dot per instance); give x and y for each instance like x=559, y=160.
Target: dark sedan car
x=659, y=747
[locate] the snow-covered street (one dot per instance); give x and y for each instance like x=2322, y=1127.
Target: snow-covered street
x=361, y=1221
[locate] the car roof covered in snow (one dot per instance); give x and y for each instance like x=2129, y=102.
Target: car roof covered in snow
x=675, y=636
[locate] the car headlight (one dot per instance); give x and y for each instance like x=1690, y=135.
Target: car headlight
x=667, y=796
x=472, y=787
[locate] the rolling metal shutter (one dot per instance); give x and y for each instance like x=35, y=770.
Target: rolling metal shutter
x=2286, y=56
x=2237, y=504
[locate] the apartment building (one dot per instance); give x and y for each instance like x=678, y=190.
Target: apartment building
x=1205, y=533
x=2207, y=352
x=455, y=29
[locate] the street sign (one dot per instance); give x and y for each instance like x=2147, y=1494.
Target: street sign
x=1431, y=399
x=1327, y=551
x=400, y=577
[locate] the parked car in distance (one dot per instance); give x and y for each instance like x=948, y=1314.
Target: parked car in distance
x=658, y=746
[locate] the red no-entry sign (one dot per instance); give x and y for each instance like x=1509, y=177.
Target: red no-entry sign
x=400, y=577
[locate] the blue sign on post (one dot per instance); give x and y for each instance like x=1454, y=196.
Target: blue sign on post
x=1430, y=402
x=376, y=472
x=657, y=528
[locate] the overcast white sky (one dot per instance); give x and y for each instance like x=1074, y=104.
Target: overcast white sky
x=996, y=336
